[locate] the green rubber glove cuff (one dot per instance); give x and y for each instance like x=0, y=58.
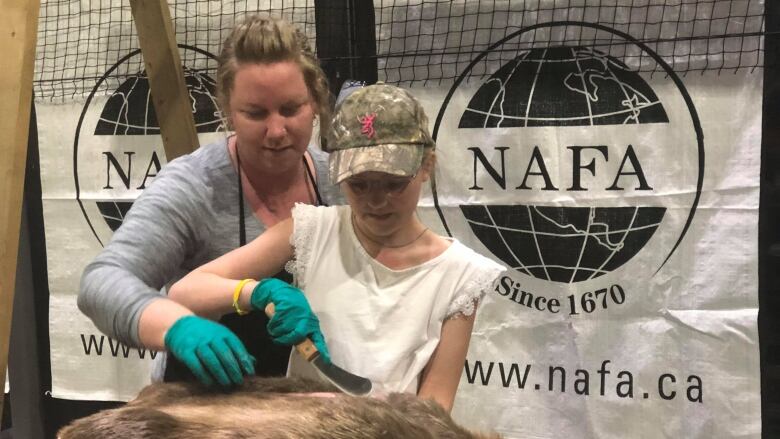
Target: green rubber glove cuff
x=263, y=292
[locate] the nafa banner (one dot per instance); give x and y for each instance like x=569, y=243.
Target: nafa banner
x=625, y=206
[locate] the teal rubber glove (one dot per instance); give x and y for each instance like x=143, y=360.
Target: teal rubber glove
x=293, y=319
x=210, y=350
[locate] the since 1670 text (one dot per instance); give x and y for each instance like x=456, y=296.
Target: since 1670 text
x=575, y=304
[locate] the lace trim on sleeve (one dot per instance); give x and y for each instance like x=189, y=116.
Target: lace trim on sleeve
x=304, y=221
x=472, y=293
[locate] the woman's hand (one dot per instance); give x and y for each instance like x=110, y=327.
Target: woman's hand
x=210, y=350
x=293, y=319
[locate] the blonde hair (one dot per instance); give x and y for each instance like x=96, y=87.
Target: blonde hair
x=262, y=39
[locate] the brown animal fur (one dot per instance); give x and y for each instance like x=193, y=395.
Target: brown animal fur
x=274, y=408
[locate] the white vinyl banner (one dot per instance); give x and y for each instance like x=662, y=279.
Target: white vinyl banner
x=625, y=207
x=85, y=363
x=97, y=155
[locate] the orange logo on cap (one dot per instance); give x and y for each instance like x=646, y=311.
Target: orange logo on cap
x=367, y=123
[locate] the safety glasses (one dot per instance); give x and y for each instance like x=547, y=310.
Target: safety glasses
x=391, y=186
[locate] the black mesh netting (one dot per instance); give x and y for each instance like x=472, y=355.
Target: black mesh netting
x=79, y=41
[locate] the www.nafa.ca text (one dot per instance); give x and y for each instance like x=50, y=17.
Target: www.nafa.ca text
x=603, y=381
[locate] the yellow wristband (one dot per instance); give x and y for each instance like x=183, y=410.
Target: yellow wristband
x=237, y=294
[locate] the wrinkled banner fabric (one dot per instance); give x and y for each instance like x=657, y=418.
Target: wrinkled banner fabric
x=97, y=156
x=625, y=206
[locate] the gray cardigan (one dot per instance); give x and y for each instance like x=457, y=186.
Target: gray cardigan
x=185, y=218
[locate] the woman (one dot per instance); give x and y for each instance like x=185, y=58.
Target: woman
x=203, y=205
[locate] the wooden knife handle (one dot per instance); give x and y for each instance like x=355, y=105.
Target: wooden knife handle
x=306, y=347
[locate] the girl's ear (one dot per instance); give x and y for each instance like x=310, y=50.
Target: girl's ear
x=428, y=165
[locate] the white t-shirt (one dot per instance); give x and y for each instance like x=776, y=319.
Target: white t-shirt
x=379, y=323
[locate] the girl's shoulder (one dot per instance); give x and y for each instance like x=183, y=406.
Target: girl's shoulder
x=476, y=275
x=307, y=210
x=313, y=226
x=471, y=258
x=308, y=218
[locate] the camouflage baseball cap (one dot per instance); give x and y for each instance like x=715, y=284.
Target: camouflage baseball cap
x=378, y=128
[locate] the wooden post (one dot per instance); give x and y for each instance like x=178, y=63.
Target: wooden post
x=18, y=34
x=166, y=77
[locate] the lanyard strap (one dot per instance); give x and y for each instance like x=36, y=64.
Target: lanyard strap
x=241, y=221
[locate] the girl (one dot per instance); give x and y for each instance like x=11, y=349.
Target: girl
x=396, y=301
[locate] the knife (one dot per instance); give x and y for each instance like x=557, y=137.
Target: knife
x=345, y=381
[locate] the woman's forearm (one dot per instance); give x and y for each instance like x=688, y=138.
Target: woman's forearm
x=156, y=319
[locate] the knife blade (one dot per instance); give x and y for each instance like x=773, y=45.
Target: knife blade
x=345, y=381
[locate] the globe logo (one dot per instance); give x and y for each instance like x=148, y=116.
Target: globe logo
x=563, y=244
x=118, y=149
x=563, y=86
x=560, y=160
